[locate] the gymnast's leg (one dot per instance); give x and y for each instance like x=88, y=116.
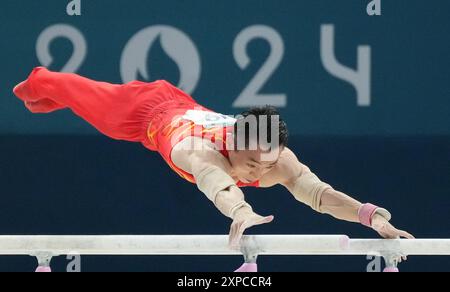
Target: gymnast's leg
x=110, y=108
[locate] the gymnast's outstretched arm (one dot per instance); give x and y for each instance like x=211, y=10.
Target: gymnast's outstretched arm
x=212, y=172
x=323, y=198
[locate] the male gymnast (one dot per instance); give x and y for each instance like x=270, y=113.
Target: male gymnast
x=219, y=154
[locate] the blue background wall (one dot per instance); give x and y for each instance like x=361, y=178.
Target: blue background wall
x=59, y=176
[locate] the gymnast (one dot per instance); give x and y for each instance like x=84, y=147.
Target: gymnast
x=218, y=153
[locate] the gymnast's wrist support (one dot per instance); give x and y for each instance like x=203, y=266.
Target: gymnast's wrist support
x=368, y=211
x=309, y=189
x=212, y=181
x=239, y=206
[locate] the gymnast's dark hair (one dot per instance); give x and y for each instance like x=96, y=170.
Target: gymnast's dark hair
x=265, y=111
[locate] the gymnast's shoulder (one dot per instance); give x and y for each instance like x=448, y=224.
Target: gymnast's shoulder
x=287, y=169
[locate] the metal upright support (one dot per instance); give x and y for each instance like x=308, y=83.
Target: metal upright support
x=44, y=259
x=391, y=262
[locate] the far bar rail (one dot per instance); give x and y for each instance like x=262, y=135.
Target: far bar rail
x=46, y=247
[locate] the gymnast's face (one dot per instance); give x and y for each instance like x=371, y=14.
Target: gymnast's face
x=251, y=165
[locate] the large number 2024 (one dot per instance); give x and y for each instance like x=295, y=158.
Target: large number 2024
x=184, y=53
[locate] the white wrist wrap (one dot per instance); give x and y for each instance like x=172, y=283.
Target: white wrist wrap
x=237, y=207
x=212, y=181
x=308, y=189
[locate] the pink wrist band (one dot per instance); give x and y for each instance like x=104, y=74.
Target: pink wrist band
x=366, y=213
